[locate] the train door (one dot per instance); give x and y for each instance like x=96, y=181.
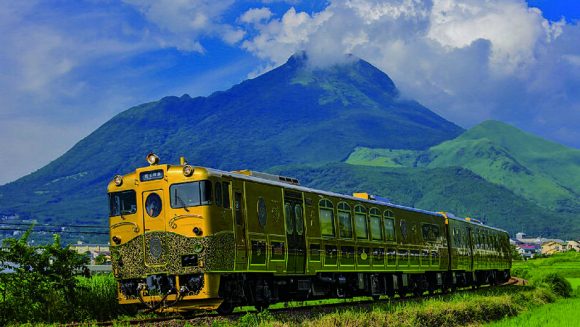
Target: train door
x=471, y=250
x=294, y=218
x=154, y=221
x=240, y=226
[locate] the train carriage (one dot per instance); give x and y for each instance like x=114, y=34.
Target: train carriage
x=185, y=237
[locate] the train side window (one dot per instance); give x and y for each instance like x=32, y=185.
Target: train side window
x=376, y=228
x=389, y=225
x=404, y=229
x=299, y=219
x=326, y=218
x=190, y=194
x=344, y=220
x=360, y=221
x=218, y=194
x=262, y=212
x=206, y=193
x=289, y=219
x=226, y=194
x=430, y=232
x=458, y=238
x=389, y=229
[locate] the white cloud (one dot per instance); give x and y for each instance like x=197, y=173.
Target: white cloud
x=183, y=23
x=278, y=39
x=468, y=60
x=513, y=29
x=255, y=15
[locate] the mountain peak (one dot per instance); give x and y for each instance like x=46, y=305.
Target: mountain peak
x=339, y=78
x=513, y=138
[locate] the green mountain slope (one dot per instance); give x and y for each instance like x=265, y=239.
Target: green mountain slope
x=538, y=170
x=450, y=189
x=292, y=114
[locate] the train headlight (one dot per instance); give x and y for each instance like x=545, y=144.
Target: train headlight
x=117, y=240
x=152, y=159
x=197, y=231
x=118, y=179
x=187, y=170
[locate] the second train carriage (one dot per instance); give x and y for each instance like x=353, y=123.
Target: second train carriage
x=199, y=238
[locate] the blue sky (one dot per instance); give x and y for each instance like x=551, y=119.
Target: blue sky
x=66, y=67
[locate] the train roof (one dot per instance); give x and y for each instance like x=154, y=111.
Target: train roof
x=292, y=186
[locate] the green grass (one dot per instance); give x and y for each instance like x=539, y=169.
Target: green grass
x=564, y=312
x=561, y=313
x=566, y=264
x=575, y=282
x=459, y=309
x=96, y=298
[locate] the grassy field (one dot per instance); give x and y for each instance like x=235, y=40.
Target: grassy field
x=560, y=313
x=563, y=312
x=566, y=264
x=462, y=308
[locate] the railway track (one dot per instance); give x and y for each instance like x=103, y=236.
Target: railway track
x=299, y=308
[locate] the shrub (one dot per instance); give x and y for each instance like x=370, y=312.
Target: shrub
x=39, y=284
x=554, y=282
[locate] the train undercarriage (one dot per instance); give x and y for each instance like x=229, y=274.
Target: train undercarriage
x=261, y=290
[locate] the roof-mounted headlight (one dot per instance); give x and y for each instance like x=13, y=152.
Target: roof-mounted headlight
x=152, y=159
x=187, y=170
x=118, y=179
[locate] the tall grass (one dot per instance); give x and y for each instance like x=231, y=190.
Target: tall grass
x=93, y=299
x=456, y=310
x=564, y=313
x=96, y=298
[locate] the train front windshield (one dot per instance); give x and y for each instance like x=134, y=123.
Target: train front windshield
x=190, y=194
x=122, y=203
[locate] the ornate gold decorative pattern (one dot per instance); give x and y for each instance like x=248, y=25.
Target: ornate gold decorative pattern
x=176, y=218
x=129, y=259
x=135, y=226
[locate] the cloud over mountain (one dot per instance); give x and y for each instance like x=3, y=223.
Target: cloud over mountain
x=469, y=60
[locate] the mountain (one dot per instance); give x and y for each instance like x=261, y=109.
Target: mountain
x=541, y=171
x=294, y=114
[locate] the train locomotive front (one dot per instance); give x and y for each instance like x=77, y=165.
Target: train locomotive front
x=167, y=249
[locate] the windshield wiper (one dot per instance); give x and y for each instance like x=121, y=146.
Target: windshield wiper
x=180, y=200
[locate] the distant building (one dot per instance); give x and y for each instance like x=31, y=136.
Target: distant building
x=93, y=249
x=522, y=238
x=552, y=247
x=528, y=251
x=573, y=245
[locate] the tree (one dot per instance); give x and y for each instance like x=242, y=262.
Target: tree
x=101, y=259
x=516, y=255
x=39, y=281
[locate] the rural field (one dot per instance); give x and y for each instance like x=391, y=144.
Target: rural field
x=563, y=312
